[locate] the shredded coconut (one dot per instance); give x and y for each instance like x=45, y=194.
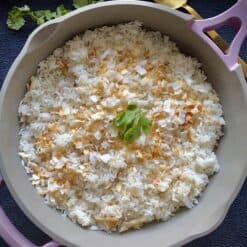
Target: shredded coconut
x=73, y=153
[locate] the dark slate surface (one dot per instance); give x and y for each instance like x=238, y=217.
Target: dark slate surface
x=231, y=233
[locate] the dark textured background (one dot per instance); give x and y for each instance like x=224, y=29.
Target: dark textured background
x=231, y=233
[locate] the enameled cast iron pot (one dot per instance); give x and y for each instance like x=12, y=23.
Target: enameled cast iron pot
x=222, y=71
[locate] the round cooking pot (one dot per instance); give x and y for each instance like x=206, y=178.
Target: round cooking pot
x=222, y=71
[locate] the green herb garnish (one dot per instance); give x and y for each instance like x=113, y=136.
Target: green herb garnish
x=131, y=123
x=80, y=3
x=17, y=15
x=41, y=16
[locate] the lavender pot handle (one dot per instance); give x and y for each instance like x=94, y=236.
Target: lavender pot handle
x=11, y=235
x=235, y=16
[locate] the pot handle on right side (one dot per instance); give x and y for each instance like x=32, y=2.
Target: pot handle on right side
x=235, y=16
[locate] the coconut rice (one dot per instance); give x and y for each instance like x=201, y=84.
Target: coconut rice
x=72, y=152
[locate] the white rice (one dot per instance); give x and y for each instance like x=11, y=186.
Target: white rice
x=72, y=152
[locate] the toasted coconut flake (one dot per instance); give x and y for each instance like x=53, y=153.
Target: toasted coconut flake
x=72, y=151
x=136, y=223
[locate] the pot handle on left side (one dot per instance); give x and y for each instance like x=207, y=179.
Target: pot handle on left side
x=11, y=235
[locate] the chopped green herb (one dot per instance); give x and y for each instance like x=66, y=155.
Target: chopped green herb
x=16, y=15
x=131, y=123
x=145, y=124
x=132, y=107
x=80, y=3
x=61, y=10
x=41, y=16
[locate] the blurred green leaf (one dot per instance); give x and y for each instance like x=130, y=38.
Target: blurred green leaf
x=80, y=3
x=16, y=15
